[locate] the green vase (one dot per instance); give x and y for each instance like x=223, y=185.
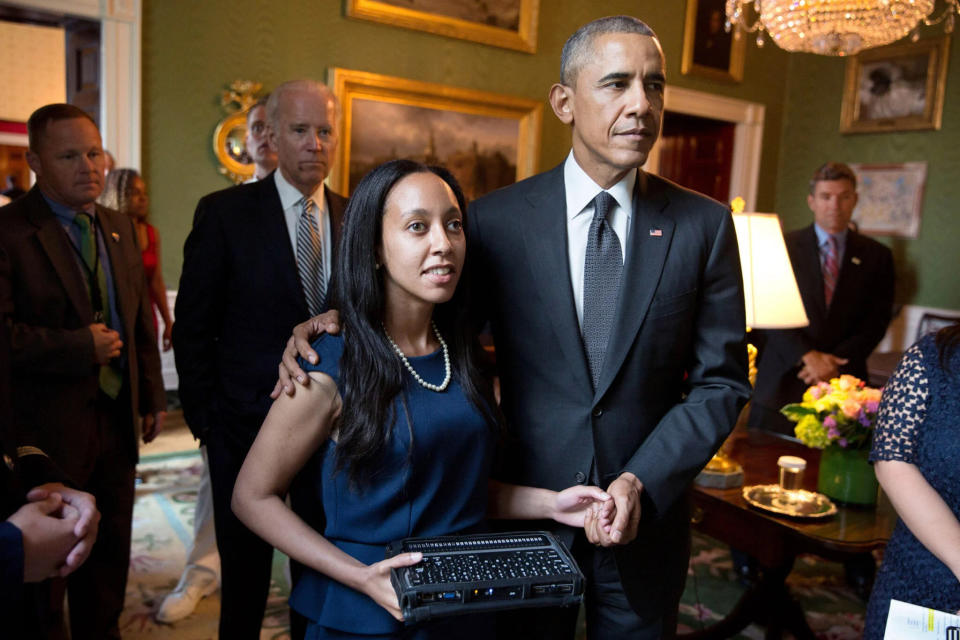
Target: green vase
x=846, y=476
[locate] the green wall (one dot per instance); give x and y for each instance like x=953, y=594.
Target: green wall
x=927, y=266
x=192, y=50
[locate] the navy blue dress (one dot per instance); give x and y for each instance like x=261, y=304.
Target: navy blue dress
x=919, y=423
x=437, y=486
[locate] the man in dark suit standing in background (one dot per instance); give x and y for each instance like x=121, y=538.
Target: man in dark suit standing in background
x=40, y=533
x=846, y=283
x=616, y=303
x=256, y=263
x=86, y=368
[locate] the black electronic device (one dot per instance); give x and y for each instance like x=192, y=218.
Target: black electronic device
x=485, y=572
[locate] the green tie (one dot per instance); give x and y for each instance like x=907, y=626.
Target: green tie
x=110, y=378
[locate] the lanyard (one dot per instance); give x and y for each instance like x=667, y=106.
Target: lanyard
x=96, y=296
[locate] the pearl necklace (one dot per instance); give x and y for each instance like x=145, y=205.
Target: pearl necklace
x=416, y=376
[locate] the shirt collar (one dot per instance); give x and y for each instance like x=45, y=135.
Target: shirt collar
x=65, y=213
x=822, y=236
x=290, y=195
x=581, y=189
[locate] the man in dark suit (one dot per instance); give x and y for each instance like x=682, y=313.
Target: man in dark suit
x=629, y=372
x=86, y=368
x=619, y=334
x=41, y=534
x=255, y=264
x=846, y=283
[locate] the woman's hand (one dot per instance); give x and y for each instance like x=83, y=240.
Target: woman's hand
x=597, y=522
x=376, y=581
x=571, y=505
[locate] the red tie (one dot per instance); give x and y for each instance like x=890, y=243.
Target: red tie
x=831, y=269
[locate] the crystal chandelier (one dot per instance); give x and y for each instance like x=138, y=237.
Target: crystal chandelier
x=835, y=27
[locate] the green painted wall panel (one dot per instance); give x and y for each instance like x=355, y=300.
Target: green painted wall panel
x=927, y=266
x=193, y=49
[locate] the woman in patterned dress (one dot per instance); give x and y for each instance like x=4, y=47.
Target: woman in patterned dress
x=916, y=450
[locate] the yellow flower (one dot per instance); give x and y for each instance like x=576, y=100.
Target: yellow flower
x=826, y=403
x=811, y=432
x=847, y=382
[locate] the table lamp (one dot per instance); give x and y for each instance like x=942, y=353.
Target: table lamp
x=772, y=300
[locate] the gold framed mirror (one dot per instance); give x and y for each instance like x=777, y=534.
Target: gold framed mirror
x=229, y=138
x=229, y=145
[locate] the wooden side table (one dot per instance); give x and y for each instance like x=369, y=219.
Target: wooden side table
x=776, y=541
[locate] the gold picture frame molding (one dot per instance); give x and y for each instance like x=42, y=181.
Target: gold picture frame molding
x=938, y=55
x=524, y=39
x=738, y=46
x=350, y=85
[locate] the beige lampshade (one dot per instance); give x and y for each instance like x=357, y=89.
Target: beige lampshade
x=769, y=287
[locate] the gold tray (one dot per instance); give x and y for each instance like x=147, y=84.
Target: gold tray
x=807, y=504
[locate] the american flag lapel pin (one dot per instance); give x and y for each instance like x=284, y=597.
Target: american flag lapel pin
x=656, y=233
x=115, y=236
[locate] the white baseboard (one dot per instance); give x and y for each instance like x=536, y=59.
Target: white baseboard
x=170, y=380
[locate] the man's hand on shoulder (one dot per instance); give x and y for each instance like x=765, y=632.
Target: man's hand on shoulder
x=299, y=345
x=820, y=367
x=106, y=343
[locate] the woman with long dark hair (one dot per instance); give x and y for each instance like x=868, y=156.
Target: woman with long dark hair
x=916, y=449
x=397, y=430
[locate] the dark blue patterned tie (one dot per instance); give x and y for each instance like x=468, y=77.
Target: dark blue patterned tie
x=601, y=283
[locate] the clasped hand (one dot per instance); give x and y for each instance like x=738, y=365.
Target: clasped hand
x=59, y=527
x=615, y=521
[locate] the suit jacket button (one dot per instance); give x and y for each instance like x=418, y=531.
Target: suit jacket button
x=597, y=412
x=580, y=477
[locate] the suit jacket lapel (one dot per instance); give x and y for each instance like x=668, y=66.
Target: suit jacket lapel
x=335, y=207
x=276, y=240
x=810, y=277
x=641, y=272
x=112, y=240
x=545, y=237
x=55, y=242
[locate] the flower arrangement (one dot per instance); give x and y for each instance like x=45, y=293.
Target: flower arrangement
x=841, y=412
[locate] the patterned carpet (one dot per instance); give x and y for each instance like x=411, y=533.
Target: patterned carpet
x=163, y=528
x=162, y=531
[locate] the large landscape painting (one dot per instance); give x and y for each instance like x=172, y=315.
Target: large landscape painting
x=501, y=23
x=486, y=140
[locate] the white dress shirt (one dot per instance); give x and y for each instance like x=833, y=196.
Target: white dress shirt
x=581, y=190
x=290, y=198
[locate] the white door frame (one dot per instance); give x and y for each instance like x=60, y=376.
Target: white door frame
x=120, y=22
x=747, y=137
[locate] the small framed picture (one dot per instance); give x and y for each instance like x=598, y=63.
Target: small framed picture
x=708, y=49
x=890, y=198
x=896, y=88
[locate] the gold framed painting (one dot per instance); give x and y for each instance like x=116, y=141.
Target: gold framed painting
x=708, y=49
x=896, y=88
x=502, y=23
x=487, y=140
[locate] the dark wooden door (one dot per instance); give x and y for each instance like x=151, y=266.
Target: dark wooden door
x=698, y=154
